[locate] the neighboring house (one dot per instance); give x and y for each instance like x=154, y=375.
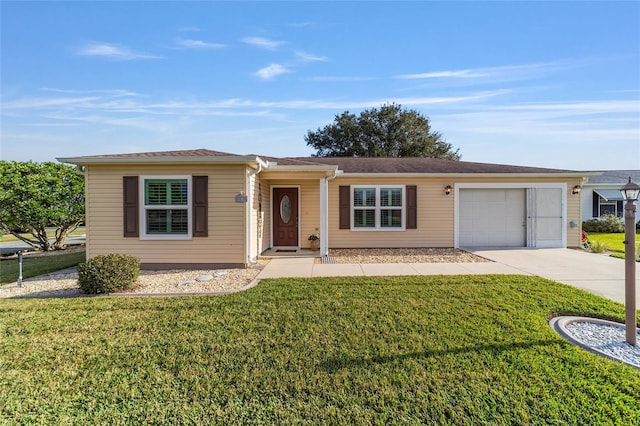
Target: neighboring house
x=601, y=193
x=206, y=208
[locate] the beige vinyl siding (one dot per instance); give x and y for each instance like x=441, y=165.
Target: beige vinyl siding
x=226, y=240
x=435, y=217
x=574, y=235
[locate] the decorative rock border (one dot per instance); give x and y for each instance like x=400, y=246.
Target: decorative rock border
x=598, y=336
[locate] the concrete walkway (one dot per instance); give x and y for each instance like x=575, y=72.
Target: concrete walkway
x=306, y=267
x=599, y=274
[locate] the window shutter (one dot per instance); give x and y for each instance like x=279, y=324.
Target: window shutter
x=596, y=205
x=412, y=207
x=201, y=206
x=345, y=207
x=130, y=206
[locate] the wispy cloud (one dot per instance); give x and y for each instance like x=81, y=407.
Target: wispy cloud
x=107, y=92
x=263, y=43
x=444, y=74
x=308, y=57
x=189, y=29
x=197, y=44
x=338, y=79
x=300, y=24
x=272, y=71
x=114, y=52
x=506, y=72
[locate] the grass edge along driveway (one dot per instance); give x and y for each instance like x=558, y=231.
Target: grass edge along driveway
x=365, y=350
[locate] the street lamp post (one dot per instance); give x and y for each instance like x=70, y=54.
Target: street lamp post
x=630, y=193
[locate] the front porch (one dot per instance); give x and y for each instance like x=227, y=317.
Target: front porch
x=292, y=204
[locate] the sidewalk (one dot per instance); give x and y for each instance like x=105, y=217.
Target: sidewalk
x=307, y=268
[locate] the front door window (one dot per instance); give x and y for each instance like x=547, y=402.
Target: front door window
x=285, y=209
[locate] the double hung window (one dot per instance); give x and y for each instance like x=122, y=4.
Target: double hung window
x=166, y=207
x=378, y=208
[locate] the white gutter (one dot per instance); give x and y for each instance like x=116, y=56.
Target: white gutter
x=472, y=175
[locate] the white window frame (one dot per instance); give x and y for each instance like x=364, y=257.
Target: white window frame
x=378, y=208
x=144, y=208
x=603, y=202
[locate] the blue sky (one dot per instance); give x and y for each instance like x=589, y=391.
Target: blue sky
x=550, y=84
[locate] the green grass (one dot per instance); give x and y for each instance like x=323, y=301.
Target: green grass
x=38, y=265
x=613, y=242
x=395, y=350
x=51, y=233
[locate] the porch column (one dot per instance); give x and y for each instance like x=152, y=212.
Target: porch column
x=324, y=217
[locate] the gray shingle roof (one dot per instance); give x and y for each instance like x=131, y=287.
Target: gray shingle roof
x=158, y=154
x=346, y=164
x=615, y=177
x=421, y=165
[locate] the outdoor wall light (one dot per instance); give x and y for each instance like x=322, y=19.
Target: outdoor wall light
x=576, y=190
x=447, y=189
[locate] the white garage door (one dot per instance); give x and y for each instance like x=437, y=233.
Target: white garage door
x=544, y=226
x=493, y=218
x=510, y=217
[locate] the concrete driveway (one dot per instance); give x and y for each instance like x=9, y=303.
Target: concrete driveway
x=600, y=274
x=597, y=273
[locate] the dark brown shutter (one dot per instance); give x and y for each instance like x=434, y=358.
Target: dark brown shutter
x=345, y=207
x=130, y=206
x=412, y=207
x=201, y=206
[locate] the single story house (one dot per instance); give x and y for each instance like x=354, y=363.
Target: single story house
x=203, y=208
x=601, y=193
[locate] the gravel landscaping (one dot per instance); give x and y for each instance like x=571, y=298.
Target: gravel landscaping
x=65, y=283
x=407, y=255
x=607, y=339
x=603, y=337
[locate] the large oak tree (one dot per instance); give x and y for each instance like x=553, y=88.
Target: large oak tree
x=390, y=131
x=36, y=196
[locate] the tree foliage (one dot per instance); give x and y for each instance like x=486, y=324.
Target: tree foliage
x=390, y=131
x=34, y=196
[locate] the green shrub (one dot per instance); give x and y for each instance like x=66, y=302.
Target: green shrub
x=108, y=273
x=597, y=246
x=607, y=223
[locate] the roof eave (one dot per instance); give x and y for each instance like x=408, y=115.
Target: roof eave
x=83, y=161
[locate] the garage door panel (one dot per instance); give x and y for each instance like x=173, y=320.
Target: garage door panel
x=546, y=219
x=492, y=217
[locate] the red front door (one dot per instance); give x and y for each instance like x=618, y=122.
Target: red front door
x=285, y=217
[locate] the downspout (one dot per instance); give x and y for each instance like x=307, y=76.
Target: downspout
x=324, y=215
x=248, y=212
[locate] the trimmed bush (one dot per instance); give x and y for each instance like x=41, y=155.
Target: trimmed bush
x=598, y=247
x=108, y=273
x=607, y=223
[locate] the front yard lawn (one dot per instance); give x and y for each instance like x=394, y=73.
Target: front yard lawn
x=393, y=350
x=613, y=242
x=39, y=264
